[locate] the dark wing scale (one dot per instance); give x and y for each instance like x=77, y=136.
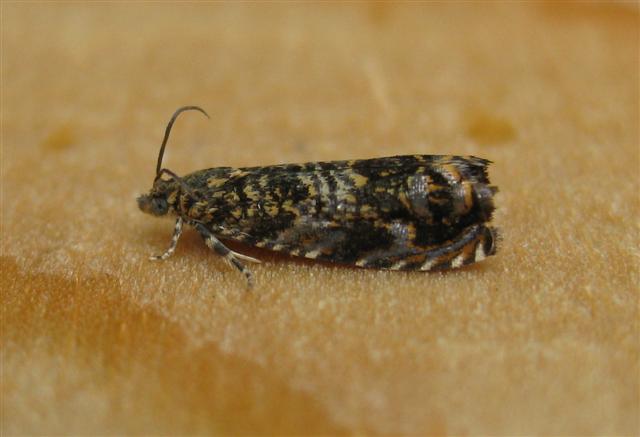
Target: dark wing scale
x=406, y=212
x=373, y=245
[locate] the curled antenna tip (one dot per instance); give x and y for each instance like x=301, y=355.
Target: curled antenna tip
x=189, y=108
x=167, y=131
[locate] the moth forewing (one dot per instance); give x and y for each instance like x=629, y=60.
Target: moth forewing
x=412, y=212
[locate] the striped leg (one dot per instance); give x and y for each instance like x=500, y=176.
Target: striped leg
x=229, y=256
x=177, y=231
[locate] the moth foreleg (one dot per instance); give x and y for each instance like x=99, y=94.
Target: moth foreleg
x=177, y=231
x=229, y=256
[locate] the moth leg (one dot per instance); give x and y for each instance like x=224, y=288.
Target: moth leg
x=229, y=256
x=177, y=231
x=245, y=257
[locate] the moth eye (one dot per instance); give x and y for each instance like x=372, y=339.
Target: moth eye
x=159, y=205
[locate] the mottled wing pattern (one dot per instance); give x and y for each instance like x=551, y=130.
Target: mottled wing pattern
x=418, y=212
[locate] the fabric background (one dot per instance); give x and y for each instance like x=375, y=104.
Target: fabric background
x=542, y=338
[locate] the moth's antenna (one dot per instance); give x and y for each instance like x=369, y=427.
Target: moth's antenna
x=167, y=131
x=176, y=178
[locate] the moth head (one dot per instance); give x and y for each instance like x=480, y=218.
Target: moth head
x=163, y=196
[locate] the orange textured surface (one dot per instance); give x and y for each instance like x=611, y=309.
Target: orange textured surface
x=542, y=338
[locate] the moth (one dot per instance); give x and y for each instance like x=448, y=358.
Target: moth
x=413, y=212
